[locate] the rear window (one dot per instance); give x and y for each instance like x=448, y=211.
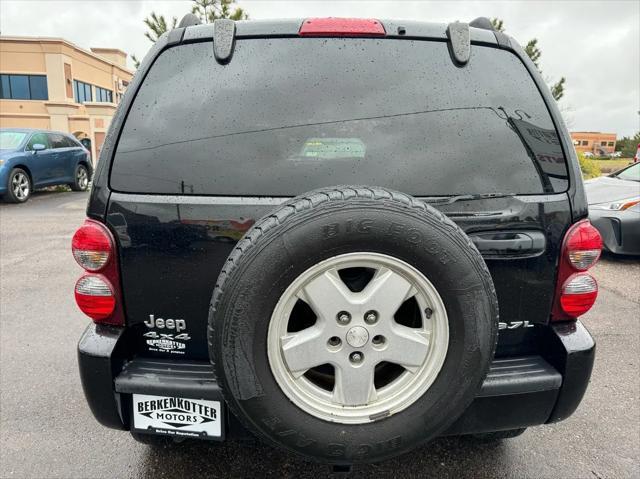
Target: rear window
x=292, y=114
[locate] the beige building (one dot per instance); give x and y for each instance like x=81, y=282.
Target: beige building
x=52, y=84
x=600, y=144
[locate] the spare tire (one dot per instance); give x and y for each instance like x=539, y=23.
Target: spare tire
x=352, y=324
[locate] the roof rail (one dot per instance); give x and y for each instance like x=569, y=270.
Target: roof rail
x=482, y=22
x=224, y=36
x=189, y=20
x=459, y=42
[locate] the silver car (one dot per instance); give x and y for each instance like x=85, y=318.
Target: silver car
x=614, y=208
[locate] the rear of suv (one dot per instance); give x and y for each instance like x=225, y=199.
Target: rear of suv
x=344, y=236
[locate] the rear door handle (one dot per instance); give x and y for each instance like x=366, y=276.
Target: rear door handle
x=509, y=243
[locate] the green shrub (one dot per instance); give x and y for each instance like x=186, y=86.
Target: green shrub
x=589, y=167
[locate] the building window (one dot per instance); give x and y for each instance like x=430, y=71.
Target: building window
x=585, y=142
x=611, y=143
x=23, y=87
x=603, y=143
x=82, y=91
x=104, y=95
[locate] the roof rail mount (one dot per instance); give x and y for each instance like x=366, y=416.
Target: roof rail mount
x=482, y=22
x=459, y=42
x=224, y=36
x=189, y=20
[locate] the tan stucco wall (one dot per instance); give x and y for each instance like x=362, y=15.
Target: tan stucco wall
x=26, y=121
x=113, y=55
x=55, y=76
x=22, y=62
x=22, y=107
x=47, y=56
x=79, y=124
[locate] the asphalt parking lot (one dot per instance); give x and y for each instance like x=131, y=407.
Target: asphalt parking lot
x=46, y=429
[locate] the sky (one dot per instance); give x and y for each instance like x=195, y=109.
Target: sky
x=594, y=44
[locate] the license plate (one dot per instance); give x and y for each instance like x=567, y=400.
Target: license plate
x=180, y=417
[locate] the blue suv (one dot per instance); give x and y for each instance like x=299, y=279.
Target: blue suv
x=37, y=158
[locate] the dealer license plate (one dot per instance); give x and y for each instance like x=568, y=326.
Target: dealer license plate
x=197, y=418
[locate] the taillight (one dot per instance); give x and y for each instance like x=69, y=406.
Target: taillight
x=98, y=292
x=95, y=296
x=341, y=27
x=579, y=293
x=91, y=246
x=576, y=290
x=583, y=244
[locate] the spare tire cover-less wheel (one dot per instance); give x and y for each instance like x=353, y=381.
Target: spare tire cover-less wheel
x=352, y=324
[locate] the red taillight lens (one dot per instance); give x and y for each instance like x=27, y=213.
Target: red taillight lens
x=341, y=27
x=98, y=295
x=95, y=297
x=583, y=244
x=91, y=246
x=576, y=291
x=579, y=293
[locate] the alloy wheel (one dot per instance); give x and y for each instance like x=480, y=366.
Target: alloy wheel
x=357, y=337
x=20, y=186
x=83, y=178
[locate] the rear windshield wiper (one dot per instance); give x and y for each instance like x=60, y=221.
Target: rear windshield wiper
x=447, y=200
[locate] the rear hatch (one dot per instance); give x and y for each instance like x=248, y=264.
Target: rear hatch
x=208, y=148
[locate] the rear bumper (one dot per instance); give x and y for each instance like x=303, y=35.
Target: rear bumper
x=518, y=392
x=533, y=390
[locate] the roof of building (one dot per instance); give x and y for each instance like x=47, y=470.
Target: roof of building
x=591, y=133
x=107, y=50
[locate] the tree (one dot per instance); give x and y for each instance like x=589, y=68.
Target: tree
x=157, y=26
x=557, y=89
x=534, y=53
x=207, y=10
x=532, y=50
x=628, y=145
x=210, y=10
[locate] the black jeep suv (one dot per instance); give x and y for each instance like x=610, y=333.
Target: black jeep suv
x=344, y=236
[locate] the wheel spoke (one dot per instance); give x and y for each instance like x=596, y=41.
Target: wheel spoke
x=326, y=294
x=304, y=350
x=354, y=385
x=407, y=347
x=386, y=292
